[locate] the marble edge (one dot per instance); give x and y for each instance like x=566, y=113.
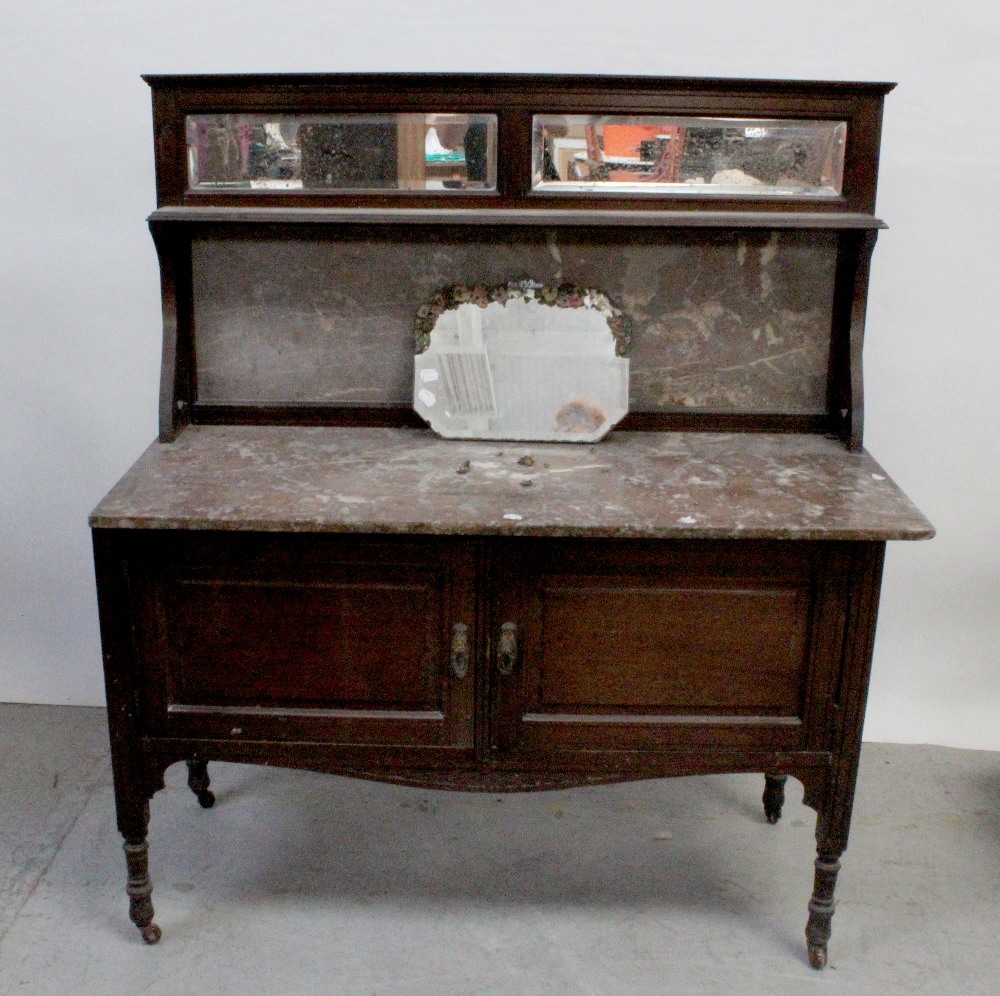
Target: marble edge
x=381, y=527
x=927, y=530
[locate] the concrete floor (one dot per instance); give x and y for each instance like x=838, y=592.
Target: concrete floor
x=297, y=883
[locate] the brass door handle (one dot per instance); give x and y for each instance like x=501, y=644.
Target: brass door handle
x=507, y=651
x=460, y=650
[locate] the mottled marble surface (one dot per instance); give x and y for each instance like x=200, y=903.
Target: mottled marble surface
x=680, y=484
x=731, y=320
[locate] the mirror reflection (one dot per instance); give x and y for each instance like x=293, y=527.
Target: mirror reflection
x=342, y=152
x=713, y=156
x=521, y=361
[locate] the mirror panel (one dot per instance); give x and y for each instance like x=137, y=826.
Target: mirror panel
x=274, y=152
x=702, y=156
x=521, y=361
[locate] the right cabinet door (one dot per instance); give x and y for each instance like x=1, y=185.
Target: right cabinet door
x=625, y=646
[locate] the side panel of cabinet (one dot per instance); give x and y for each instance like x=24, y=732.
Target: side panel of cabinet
x=339, y=640
x=646, y=647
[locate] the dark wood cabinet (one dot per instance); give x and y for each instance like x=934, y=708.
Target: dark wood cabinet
x=574, y=645
x=296, y=573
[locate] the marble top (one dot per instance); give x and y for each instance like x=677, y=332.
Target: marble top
x=631, y=484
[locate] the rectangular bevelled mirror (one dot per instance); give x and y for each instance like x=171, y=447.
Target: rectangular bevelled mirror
x=703, y=156
x=273, y=152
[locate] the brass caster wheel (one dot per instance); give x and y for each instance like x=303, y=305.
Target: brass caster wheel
x=817, y=955
x=151, y=933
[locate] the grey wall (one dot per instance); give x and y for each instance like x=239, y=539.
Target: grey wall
x=79, y=311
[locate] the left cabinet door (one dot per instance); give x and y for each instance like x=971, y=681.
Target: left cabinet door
x=342, y=640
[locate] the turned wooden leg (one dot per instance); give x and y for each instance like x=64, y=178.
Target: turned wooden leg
x=198, y=782
x=821, y=908
x=774, y=796
x=140, y=890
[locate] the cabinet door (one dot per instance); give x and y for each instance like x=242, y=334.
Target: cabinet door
x=632, y=646
x=340, y=640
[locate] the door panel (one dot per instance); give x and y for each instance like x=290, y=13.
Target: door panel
x=331, y=641
x=343, y=640
x=622, y=643
x=641, y=646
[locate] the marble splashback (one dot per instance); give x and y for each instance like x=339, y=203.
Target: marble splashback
x=737, y=321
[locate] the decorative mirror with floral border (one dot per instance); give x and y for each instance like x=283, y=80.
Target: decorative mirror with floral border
x=521, y=361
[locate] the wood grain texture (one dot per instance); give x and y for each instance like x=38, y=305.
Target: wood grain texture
x=488, y=215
